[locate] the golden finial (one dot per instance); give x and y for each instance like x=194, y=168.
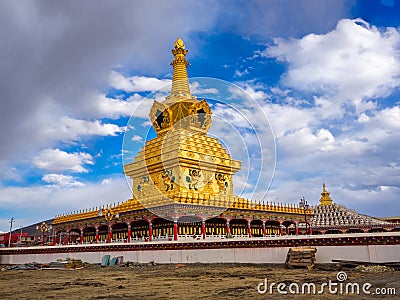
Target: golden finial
x=179, y=43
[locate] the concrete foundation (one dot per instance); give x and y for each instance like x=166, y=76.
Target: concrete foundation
x=325, y=254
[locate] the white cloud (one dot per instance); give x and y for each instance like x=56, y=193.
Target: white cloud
x=10, y=173
x=196, y=89
x=358, y=161
x=285, y=119
x=105, y=107
x=61, y=180
x=388, y=118
x=248, y=89
x=74, y=128
x=318, y=143
x=240, y=74
x=350, y=63
x=106, y=181
x=136, y=138
x=224, y=114
x=138, y=83
x=241, y=183
x=46, y=202
x=304, y=141
x=278, y=91
x=146, y=123
x=56, y=160
x=132, y=39
x=69, y=129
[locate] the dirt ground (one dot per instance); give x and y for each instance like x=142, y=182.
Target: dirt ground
x=194, y=281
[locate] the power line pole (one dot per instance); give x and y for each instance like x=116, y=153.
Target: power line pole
x=12, y=220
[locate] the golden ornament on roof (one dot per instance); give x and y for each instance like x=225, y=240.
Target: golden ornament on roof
x=179, y=43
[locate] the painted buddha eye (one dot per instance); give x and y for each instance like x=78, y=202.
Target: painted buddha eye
x=176, y=94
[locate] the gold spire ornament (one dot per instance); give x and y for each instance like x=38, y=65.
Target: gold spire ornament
x=325, y=198
x=180, y=109
x=180, y=81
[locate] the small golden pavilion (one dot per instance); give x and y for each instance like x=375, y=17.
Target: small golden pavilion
x=182, y=184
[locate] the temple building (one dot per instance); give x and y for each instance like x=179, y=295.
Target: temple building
x=334, y=218
x=182, y=184
x=182, y=188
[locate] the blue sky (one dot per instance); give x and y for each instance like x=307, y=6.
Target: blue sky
x=326, y=74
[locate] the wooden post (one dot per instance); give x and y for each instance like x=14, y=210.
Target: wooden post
x=109, y=233
x=129, y=233
x=175, y=230
x=150, y=231
x=67, y=239
x=264, y=229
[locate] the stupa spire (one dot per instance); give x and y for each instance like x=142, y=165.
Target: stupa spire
x=325, y=198
x=180, y=81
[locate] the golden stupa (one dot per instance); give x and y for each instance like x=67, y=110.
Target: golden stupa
x=182, y=161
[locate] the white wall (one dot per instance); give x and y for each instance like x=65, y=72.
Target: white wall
x=325, y=254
